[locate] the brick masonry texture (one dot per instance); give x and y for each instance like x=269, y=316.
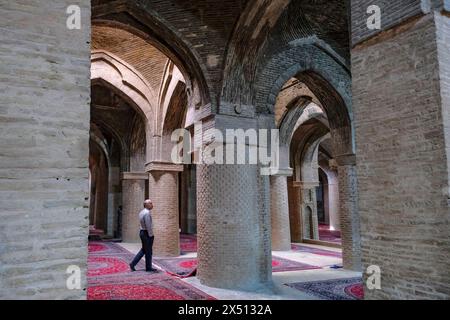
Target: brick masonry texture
x=44, y=115
x=133, y=199
x=233, y=221
x=392, y=13
x=295, y=221
x=350, y=224
x=401, y=159
x=391, y=110
x=163, y=188
x=281, y=237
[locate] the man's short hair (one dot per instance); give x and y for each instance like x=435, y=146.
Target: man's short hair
x=147, y=201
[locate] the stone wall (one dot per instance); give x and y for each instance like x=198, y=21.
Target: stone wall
x=44, y=123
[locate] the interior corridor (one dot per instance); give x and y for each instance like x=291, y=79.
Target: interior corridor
x=306, y=272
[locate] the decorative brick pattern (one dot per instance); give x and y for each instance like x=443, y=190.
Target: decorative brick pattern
x=233, y=221
x=163, y=191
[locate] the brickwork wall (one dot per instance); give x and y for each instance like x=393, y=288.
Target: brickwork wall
x=392, y=13
x=44, y=116
x=401, y=160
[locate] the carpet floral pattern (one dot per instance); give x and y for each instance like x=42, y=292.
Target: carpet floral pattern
x=325, y=234
x=188, y=243
x=321, y=252
x=110, y=278
x=186, y=266
x=336, y=289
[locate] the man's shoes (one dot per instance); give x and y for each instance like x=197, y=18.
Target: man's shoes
x=152, y=270
x=132, y=268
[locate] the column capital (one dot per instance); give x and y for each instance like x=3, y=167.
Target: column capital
x=281, y=172
x=134, y=176
x=163, y=166
x=346, y=159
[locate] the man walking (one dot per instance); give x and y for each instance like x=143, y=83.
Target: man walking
x=146, y=235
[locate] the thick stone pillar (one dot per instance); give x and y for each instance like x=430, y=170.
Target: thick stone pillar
x=133, y=196
x=163, y=191
x=279, y=212
x=348, y=200
x=333, y=199
x=233, y=226
x=333, y=205
x=295, y=212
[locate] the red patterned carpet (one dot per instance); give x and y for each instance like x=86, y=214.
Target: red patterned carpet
x=110, y=278
x=325, y=234
x=188, y=243
x=336, y=289
x=320, y=252
x=185, y=266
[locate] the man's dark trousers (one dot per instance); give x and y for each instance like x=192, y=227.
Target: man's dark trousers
x=147, y=250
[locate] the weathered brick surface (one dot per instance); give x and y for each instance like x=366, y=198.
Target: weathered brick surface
x=401, y=159
x=242, y=54
x=349, y=217
x=163, y=191
x=392, y=13
x=233, y=226
x=133, y=195
x=295, y=221
x=267, y=29
x=309, y=213
x=281, y=237
x=443, y=43
x=44, y=115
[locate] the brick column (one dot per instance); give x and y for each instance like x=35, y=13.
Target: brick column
x=133, y=196
x=233, y=221
x=279, y=212
x=295, y=212
x=348, y=200
x=308, y=207
x=101, y=197
x=163, y=191
x=333, y=205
